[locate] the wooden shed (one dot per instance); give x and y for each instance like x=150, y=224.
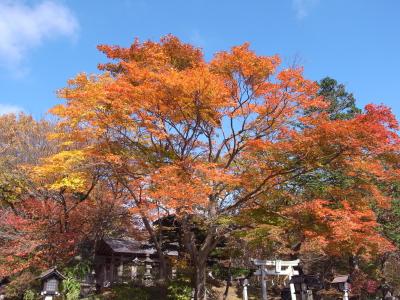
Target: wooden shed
x=124, y=260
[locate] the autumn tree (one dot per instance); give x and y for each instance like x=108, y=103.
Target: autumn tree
x=53, y=203
x=23, y=141
x=205, y=140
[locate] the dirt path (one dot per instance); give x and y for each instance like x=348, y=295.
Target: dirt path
x=234, y=294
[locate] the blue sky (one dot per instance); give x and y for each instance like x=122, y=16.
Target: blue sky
x=44, y=43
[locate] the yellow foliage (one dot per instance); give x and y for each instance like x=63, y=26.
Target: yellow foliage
x=63, y=170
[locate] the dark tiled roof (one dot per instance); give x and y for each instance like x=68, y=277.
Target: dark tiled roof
x=52, y=271
x=340, y=278
x=127, y=246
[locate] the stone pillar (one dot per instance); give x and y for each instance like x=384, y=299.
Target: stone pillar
x=346, y=295
x=292, y=291
x=245, y=285
x=291, y=285
x=263, y=284
x=310, y=295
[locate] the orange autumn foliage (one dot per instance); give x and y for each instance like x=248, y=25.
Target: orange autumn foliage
x=187, y=136
x=339, y=231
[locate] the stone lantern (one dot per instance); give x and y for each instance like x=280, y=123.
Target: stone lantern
x=51, y=280
x=148, y=277
x=134, y=268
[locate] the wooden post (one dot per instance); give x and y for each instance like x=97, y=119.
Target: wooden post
x=112, y=268
x=263, y=284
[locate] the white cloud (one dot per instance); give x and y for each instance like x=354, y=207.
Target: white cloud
x=23, y=27
x=9, y=109
x=303, y=7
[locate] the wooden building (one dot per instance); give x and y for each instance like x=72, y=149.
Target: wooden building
x=125, y=260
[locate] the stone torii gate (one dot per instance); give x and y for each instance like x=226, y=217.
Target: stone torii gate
x=281, y=267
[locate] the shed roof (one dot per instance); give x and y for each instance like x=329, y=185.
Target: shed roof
x=127, y=246
x=50, y=272
x=340, y=279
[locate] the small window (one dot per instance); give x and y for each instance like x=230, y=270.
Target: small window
x=51, y=285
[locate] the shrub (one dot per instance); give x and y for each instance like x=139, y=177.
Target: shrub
x=24, y=282
x=30, y=295
x=179, y=289
x=71, y=288
x=123, y=292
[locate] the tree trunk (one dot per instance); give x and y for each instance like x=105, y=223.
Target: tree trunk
x=199, y=255
x=228, y=282
x=162, y=266
x=353, y=263
x=200, y=281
